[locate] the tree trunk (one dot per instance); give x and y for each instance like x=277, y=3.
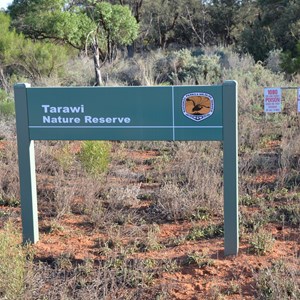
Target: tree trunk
x=137, y=14
x=98, y=77
x=130, y=50
x=3, y=82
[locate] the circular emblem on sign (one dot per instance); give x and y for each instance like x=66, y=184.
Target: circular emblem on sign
x=198, y=106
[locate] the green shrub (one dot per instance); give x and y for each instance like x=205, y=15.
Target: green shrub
x=278, y=282
x=151, y=243
x=206, y=232
x=65, y=157
x=250, y=223
x=44, y=60
x=95, y=156
x=184, y=67
x=201, y=258
x=12, y=266
x=201, y=69
x=289, y=214
x=248, y=200
x=7, y=107
x=261, y=242
x=9, y=177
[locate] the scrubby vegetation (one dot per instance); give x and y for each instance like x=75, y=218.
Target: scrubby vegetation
x=124, y=199
x=144, y=220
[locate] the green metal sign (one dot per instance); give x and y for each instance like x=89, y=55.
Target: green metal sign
x=175, y=113
x=123, y=113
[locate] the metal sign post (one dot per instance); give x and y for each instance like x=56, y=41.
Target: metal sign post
x=177, y=113
x=26, y=167
x=230, y=166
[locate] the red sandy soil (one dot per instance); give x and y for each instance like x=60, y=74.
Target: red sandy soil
x=232, y=276
x=229, y=275
x=226, y=274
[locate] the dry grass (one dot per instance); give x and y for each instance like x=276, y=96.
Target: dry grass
x=123, y=213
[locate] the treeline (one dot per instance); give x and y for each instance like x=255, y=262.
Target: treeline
x=37, y=36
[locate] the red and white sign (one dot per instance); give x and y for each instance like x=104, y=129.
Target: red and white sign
x=298, y=98
x=272, y=100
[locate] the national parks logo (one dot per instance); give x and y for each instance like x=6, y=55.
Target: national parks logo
x=198, y=106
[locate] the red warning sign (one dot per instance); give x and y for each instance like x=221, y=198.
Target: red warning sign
x=272, y=100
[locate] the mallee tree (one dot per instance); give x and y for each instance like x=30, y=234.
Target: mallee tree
x=90, y=26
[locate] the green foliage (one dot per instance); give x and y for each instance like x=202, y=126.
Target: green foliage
x=223, y=19
x=258, y=41
x=252, y=223
x=50, y=19
x=255, y=27
x=70, y=26
x=184, y=67
x=290, y=62
x=10, y=42
x=261, y=242
x=112, y=24
x=65, y=157
x=249, y=200
x=202, y=258
x=95, y=156
x=116, y=26
x=12, y=202
x=131, y=272
x=12, y=266
x=7, y=106
x=278, y=282
x=201, y=214
x=164, y=19
x=117, y=22
x=27, y=58
x=42, y=59
x=96, y=28
x=207, y=232
x=288, y=215
x=151, y=243
x=276, y=27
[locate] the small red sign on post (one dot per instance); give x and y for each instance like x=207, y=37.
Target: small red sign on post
x=272, y=100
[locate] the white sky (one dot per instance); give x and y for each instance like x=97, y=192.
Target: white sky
x=4, y=3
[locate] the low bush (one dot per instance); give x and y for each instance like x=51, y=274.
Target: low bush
x=9, y=175
x=205, y=232
x=7, y=106
x=13, y=264
x=183, y=67
x=95, y=156
x=192, y=180
x=117, y=277
x=278, y=282
x=288, y=215
x=122, y=197
x=200, y=258
x=261, y=242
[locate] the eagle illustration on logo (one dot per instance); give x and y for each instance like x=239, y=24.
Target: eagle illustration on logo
x=198, y=106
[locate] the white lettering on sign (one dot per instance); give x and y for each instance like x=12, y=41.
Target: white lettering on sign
x=62, y=109
x=60, y=120
x=102, y=120
x=272, y=100
x=50, y=118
